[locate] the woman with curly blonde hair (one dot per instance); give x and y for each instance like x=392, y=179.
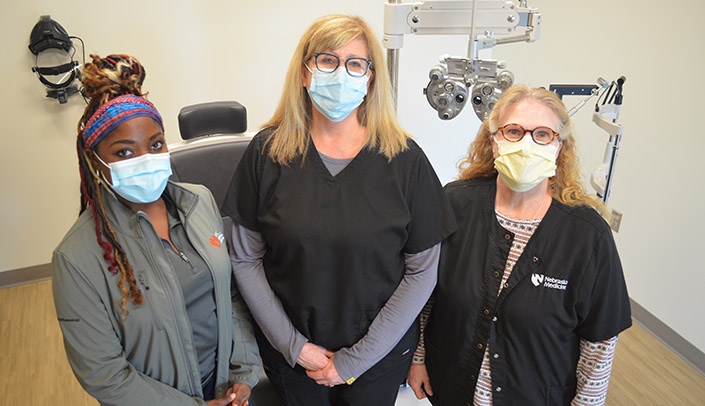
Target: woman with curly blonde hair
x=142, y=280
x=530, y=296
x=566, y=185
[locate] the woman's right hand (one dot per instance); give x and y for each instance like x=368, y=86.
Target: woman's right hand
x=225, y=401
x=419, y=381
x=313, y=357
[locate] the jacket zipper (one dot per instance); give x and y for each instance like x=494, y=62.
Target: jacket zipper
x=195, y=387
x=211, y=269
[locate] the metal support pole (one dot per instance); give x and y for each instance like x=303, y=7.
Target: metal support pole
x=393, y=66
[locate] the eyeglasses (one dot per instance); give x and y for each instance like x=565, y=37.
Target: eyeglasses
x=540, y=135
x=328, y=63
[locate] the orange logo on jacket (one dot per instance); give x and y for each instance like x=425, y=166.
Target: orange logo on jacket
x=217, y=239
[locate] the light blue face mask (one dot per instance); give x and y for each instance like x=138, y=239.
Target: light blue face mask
x=141, y=179
x=336, y=94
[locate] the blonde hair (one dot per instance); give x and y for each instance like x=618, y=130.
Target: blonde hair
x=290, y=122
x=566, y=186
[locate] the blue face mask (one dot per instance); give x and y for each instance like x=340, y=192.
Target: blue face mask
x=141, y=179
x=336, y=94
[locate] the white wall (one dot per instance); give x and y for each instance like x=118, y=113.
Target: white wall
x=216, y=50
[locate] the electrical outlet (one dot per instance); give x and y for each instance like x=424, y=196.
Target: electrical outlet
x=616, y=220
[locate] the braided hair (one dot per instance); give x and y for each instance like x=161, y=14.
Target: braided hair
x=103, y=80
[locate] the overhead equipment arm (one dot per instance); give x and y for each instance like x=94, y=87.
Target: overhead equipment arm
x=456, y=79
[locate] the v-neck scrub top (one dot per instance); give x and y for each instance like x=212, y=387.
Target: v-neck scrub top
x=335, y=245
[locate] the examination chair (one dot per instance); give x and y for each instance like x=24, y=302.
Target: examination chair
x=213, y=141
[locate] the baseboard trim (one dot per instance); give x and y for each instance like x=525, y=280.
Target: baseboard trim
x=25, y=275
x=674, y=341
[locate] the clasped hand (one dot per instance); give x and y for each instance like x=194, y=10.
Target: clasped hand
x=318, y=363
x=237, y=395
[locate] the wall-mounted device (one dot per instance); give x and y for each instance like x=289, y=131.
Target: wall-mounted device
x=609, y=102
x=54, y=63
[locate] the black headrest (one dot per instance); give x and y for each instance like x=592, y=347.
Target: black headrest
x=221, y=117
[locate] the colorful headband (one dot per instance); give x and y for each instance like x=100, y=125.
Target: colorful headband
x=115, y=112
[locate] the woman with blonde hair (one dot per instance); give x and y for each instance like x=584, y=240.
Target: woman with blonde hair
x=531, y=296
x=338, y=218
x=566, y=185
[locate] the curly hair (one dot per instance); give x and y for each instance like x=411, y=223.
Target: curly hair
x=566, y=186
x=102, y=80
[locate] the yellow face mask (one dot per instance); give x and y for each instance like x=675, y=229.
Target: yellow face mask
x=524, y=164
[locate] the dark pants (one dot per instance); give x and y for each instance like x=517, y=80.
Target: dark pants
x=208, y=387
x=378, y=386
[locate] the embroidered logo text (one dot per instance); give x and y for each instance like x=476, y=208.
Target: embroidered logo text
x=548, y=282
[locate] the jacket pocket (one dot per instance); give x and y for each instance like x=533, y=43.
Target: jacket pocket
x=559, y=395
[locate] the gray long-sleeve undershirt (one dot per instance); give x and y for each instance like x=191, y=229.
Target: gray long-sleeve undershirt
x=386, y=330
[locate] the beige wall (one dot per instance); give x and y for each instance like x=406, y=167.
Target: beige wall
x=215, y=50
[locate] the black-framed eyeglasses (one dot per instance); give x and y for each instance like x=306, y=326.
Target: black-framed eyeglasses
x=328, y=63
x=540, y=135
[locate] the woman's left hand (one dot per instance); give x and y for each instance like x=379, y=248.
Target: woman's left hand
x=242, y=394
x=418, y=381
x=327, y=375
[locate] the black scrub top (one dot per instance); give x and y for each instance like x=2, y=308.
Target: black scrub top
x=336, y=244
x=567, y=285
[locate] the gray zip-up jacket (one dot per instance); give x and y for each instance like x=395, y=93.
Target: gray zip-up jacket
x=148, y=357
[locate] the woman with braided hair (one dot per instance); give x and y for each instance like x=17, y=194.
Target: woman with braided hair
x=142, y=281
